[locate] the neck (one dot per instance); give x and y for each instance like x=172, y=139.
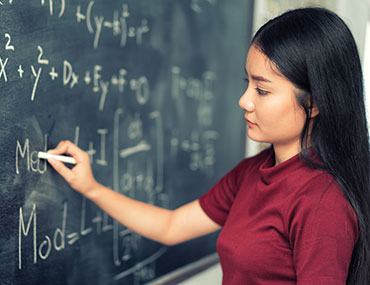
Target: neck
x=284, y=152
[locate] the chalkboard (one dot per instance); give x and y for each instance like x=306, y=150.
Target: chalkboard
x=150, y=90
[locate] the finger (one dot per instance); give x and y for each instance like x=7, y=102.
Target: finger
x=64, y=171
x=67, y=147
x=59, y=149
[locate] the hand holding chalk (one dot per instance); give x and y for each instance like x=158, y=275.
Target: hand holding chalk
x=62, y=158
x=80, y=177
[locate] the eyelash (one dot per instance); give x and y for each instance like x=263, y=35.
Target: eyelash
x=259, y=91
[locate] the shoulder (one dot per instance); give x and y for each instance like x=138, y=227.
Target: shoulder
x=317, y=186
x=321, y=206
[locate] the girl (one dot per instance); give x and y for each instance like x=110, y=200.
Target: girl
x=298, y=212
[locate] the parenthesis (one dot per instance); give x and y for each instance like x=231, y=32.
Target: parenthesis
x=88, y=17
x=62, y=8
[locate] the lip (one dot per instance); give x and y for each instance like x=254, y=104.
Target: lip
x=249, y=123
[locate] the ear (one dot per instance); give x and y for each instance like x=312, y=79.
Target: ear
x=314, y=110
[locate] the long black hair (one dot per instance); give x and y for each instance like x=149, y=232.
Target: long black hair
x=315, y=50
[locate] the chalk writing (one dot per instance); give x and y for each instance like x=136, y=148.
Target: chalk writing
x=70, y=76
x=45, y=247
x=201, y=142
x=199, y=5
x=62, y=5
x=118, y=23
x=34, y=163
x=8, y=46
x=129, y=137
x=102, y=160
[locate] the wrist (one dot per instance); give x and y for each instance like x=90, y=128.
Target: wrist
x=94, y=191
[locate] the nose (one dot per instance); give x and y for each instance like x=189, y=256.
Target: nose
x=246, y=103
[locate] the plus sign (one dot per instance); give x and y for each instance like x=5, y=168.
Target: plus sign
x=87, y=78
x=121, y=79
x=20, y=71
x=114, y=80
x=53, y=74
x=91, y=151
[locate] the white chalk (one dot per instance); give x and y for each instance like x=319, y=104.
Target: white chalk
x=63, y=158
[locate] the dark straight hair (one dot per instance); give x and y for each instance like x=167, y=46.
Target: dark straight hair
x=315, y=50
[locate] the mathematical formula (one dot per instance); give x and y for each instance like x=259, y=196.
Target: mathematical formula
x=132, y=146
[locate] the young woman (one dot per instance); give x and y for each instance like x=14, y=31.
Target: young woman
x=298, y=212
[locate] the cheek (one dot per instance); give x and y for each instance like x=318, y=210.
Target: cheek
x=276, y=115
x=292, y=123
x=271, y=111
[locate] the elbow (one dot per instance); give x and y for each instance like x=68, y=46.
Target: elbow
x=171, y=237
x=172, y=232
x=169, y=241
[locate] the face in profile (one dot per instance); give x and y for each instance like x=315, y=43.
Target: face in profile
x=272, y=112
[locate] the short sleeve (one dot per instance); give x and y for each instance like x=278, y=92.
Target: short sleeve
x=216, y=203
x=323, y=232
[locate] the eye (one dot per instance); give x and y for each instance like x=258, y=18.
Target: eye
x=261, y=92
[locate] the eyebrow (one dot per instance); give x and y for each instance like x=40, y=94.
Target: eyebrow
x=258, y=78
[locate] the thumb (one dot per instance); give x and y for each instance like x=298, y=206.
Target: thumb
x=59, y=167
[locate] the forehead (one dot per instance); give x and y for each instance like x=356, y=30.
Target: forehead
x=258, y=62
x=258, y=65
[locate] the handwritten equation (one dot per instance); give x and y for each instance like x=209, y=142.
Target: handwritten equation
x=96, y=23
x=71, y=78
x=133, y=143
x=59, y=239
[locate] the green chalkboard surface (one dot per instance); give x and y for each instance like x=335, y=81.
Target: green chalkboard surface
x=149, y=88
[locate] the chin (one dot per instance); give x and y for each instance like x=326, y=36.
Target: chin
x=258, y=139
x=253, y=137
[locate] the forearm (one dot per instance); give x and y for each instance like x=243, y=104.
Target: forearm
x=165, y=226
x=145, y=219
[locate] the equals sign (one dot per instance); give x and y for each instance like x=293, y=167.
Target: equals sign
x=73, y=237
x=108, y=24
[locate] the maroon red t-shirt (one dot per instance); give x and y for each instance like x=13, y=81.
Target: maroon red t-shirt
x=284, y=224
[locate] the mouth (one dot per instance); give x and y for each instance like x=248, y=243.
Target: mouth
x=250, y=124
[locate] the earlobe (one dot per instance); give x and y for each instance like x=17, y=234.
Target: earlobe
x=314, y=111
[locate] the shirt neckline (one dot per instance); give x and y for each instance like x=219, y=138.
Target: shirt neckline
x=271, y=172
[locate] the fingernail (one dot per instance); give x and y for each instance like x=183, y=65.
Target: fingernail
x=51, y=161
